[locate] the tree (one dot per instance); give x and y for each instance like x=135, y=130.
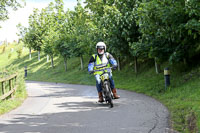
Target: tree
x=51, y=34
x=24, y=36
x=116, y=23
x=193, y=26
x=162, y=25
x=65, y=25
x=36, y=30
x=62, y=45
x=5, y=4
x=80, y=29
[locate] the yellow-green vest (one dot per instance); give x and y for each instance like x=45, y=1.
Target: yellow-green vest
x=100, y=64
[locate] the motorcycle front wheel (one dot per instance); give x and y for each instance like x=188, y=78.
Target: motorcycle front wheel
x=109, y=96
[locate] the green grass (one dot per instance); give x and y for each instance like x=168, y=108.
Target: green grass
x=7, y=69
x=182, y=98
x=12, y=103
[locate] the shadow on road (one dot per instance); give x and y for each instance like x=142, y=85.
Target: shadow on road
x=76, y=118
x=73, y=109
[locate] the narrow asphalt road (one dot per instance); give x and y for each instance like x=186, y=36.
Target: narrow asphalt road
x=66, y=108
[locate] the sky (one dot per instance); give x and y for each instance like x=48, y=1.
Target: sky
x=9, y=29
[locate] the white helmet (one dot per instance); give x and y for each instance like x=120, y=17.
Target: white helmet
x=101, y=45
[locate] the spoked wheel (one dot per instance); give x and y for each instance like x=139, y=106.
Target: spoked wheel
x=111, y=103
x=109, y=97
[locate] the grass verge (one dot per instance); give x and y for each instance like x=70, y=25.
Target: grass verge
x=18, y=97
x=7, y=55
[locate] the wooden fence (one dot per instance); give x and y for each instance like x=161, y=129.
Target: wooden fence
x=8, y=86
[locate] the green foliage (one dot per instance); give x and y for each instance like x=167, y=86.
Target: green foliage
x=3, y=49
x=5, y=71
x=181, y=99
x=9, y=55
x=20, y=94
x=168, y=29
x=79, y=32
x=5, y=4
x=19, y=52
x=164, y=30
x=116, y=25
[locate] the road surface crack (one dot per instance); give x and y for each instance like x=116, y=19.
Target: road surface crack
x=155, y=124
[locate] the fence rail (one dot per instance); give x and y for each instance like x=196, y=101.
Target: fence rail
x=8, y=86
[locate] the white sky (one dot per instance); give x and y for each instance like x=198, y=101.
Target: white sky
x=9, y=29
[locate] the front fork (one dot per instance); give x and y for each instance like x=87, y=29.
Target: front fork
x=107, y=90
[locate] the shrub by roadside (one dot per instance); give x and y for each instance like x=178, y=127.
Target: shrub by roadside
x=20, y=94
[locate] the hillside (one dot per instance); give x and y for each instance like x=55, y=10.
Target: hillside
x=182, y=98
x=7, y=56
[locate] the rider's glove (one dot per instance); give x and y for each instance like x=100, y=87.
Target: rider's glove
x=91, y=72
x=115, y=67
x=113, y=62
x=90, y=67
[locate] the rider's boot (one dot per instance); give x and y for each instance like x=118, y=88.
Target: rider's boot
x=100, y=97
x=115, y=94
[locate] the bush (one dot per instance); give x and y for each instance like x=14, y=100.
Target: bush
x=9, y=55
x=3, y=49
x=19, y=52
x=20, y=94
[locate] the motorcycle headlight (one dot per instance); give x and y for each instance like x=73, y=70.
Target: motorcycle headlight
x=105, y=76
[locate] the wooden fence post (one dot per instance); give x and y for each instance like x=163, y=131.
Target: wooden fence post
x=9, y=86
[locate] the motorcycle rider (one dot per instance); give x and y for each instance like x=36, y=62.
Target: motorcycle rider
x=99, y=61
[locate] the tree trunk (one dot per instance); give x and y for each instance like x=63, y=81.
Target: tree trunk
x=38, y=55
x=118, y=62
x=81, y=58
x=65, y=63
x=29, y=53
x=47, y=58
x=157, y=66
x=136, y=65
x=52, y=65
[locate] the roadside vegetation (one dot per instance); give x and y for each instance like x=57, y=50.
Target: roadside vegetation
x=18, y=97
x=181, y=98
x=7, y=69
x=5, y=60
x=144, y=36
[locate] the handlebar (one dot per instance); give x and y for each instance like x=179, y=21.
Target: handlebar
x=101, y=70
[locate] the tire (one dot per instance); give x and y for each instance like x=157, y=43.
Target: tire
x=111, y=103
x=109, y=96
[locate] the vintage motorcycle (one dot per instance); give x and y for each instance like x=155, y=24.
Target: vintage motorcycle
x=105, y=83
